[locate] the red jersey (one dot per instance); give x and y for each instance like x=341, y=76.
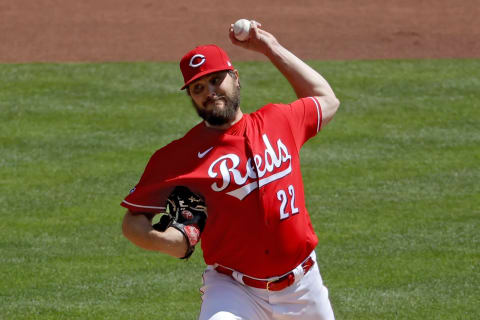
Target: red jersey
x=250, y=178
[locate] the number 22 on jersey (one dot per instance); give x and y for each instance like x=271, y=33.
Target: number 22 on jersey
x=285, y=212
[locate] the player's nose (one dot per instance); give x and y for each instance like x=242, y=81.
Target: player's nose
x=212, y=90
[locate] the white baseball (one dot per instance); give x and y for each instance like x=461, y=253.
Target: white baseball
x=241, y=29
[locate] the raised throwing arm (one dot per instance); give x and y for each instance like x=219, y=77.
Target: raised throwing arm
x=304, y=80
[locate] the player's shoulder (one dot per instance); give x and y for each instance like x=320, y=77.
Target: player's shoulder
x=178, y=144
x=279, y=109
x=192, y=134
x=271, y=108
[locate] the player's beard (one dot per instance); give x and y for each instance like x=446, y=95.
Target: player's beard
x=218, y=116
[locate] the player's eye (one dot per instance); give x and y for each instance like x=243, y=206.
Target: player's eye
x=215, y=80
x=198, y=88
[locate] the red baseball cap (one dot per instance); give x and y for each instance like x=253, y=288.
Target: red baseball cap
x=203, y=60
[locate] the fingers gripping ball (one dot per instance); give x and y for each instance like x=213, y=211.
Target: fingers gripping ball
x=187, y=213
x=241, y=29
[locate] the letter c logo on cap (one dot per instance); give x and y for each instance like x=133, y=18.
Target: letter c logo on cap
x=200, y=58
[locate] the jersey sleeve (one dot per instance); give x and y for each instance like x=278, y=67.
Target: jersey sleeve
x=305, y=118
x=151, y=192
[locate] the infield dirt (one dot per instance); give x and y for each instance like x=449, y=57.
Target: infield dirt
x=147, y=30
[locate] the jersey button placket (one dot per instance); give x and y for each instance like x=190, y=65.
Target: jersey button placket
x=261, y=191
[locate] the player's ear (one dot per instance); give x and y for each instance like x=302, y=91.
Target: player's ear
x=237, y=77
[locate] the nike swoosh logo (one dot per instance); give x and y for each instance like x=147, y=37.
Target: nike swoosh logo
x=204, y=153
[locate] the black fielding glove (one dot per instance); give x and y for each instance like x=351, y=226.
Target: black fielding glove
x=187, y=213
x=164, y=223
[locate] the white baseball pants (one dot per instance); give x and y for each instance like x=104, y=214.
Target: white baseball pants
x=226, y=299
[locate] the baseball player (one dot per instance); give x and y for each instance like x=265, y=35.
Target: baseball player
x=256, y=235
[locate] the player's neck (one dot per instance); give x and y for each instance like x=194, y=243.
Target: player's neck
x=238, y=117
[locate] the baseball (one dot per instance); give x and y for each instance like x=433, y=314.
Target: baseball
x=241, y=29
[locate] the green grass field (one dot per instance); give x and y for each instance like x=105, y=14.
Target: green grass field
x=392, y=184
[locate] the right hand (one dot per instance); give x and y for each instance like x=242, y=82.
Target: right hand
x=259, y=41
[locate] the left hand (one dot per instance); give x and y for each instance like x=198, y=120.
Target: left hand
x=187, y=213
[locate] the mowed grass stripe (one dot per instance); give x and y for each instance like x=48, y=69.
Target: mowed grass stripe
x=392, y=187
